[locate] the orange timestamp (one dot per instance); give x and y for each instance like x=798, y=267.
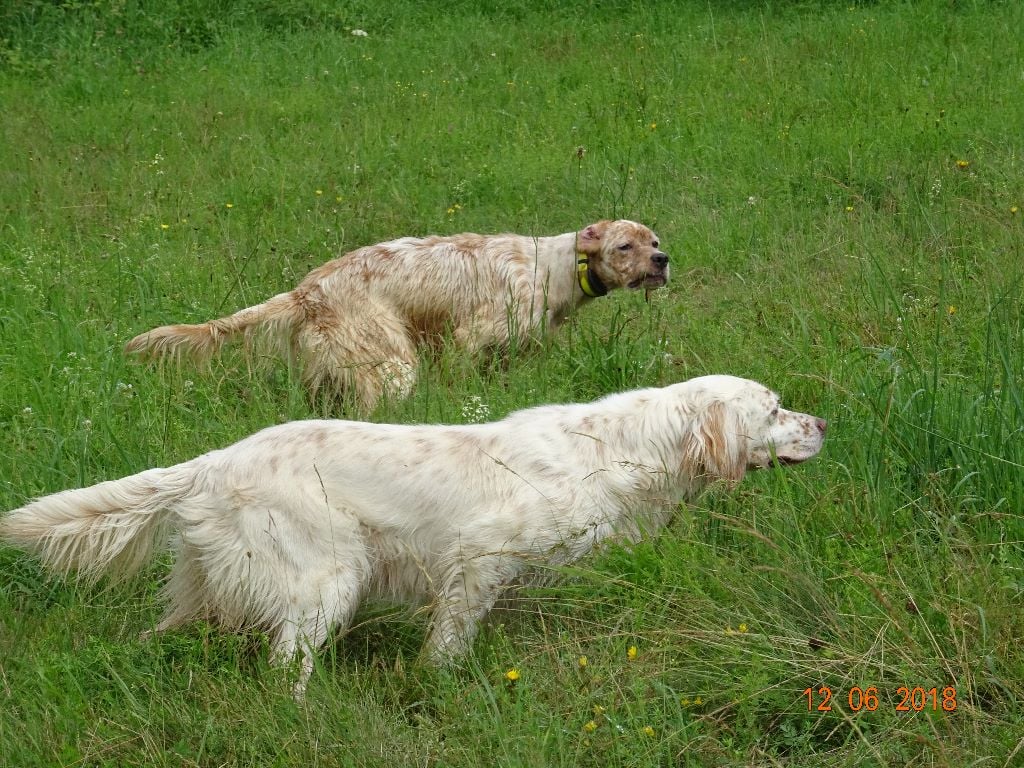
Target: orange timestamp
x=910, y=699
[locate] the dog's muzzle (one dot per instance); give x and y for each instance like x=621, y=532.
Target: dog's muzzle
x=657, y=276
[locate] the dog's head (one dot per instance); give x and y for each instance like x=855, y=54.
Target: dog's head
x=623, y=254
x=736, y=425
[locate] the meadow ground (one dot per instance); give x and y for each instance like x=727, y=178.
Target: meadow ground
x=839, y=186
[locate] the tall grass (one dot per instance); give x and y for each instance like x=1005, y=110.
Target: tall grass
x=839, y=187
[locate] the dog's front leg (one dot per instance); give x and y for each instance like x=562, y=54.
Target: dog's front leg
x=468, y=593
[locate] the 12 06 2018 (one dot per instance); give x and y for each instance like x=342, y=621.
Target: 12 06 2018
x=905, y=698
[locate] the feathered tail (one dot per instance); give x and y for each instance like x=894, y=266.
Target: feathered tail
x=280, y=313
x=111, y=527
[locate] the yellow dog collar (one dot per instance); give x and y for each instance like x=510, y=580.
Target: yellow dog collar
x=590, y=283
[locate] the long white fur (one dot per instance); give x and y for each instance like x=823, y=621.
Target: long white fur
x=291, y=528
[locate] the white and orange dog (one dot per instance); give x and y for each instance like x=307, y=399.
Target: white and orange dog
x=356, y=323
x=292, y=528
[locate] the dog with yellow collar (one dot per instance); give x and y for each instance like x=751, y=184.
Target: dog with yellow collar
x=355, y=324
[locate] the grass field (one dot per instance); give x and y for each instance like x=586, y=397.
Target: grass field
x=839, y=186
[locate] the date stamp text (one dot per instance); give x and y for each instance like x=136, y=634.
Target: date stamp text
x=906, y=699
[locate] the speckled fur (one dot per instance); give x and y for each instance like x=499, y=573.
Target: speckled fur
x=291, y=528
x=356, y=323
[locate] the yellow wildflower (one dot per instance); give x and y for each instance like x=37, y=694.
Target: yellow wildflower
x=512, y=675
x=319, y=192
x=229, y=205
x=961, y=164
x=582, y=661
x=647, y=730
x=743, y=627
x=598, y=710
x=165, y=226
x=951, y=309
x=590, y=726
x=698, y=701
x=1014, y=210
x=631, y=652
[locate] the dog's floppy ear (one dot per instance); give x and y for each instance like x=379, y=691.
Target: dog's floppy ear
x=715, y=446
x=588, y=240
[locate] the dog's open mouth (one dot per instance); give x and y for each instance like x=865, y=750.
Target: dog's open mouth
x=785, y=461
x=800, y=457
x=649, y=281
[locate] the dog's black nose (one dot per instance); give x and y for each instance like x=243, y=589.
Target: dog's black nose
x=660, y=259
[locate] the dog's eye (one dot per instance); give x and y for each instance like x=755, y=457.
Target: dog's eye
x=625, y=246
x=654, y=244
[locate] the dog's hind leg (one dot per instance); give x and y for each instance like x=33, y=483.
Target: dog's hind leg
x=366, y=349
x=184, y=593
x=310, y=624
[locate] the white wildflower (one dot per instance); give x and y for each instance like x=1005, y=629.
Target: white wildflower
x=475, y=410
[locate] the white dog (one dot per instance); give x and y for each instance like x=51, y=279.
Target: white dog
x=291, y=528
x=356, y=322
